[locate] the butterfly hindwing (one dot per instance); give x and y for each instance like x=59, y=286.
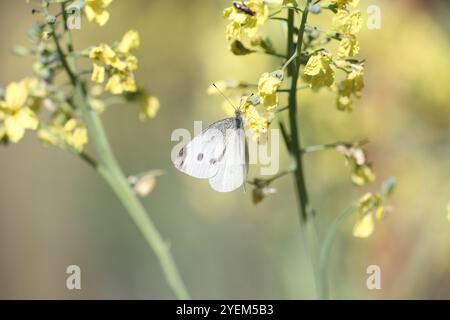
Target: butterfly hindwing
x=231, y=172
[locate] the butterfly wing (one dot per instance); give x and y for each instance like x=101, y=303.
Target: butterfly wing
x=200, y=158
x=231, y=172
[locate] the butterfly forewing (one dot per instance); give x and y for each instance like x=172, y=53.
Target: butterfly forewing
x=200, y=158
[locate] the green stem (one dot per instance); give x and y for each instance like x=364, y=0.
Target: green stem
x=306, y=213
x=334, y=145
x=110, y=170
x=324, y=289
x=293, y=72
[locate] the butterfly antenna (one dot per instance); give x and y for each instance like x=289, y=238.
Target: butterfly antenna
x=225, y=97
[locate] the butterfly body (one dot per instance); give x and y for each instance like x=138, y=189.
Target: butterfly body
x=216, y=154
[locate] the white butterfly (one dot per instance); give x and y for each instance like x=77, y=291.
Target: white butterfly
x=217, y=154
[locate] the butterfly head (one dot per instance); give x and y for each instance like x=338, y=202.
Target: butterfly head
x=238, y=112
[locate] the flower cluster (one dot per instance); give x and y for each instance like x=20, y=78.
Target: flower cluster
x=17, y=109
x=95, y=10
x=245, y=19
x=44, y=104
x=322, y=65
x=65, y=134
x=372, y=207
x=116, y=64
x=369, y=206
x=355, y=156
x=257, y=109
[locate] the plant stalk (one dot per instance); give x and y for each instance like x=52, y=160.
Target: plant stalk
x=306, y=214
x=109, y=169
x=324, y=289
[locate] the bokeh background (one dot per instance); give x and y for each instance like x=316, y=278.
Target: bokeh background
x=55, y=211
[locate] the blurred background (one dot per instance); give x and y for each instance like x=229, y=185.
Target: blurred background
x=55, y=211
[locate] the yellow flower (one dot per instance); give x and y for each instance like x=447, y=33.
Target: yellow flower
x=103, y=54
x=98, y=74
x=362, y=175
x=351, y=86
x=114, y=85
x=363, y=227
x=121, y=64
x=344, y=103
x=348, y=22
x=35, y=87
x=75, y=134
x=348, y=47
x=354, y=83
x=268, y=85
x=245, y=17
x=16, y=115
x=95, y=11
x=149, y=107
x=72, y=134
x=368, y=206
x=129, y=42
x=342, y=4
x=318, y=71
x=256, y=123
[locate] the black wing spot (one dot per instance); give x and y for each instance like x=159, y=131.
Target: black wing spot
x=223, y=154
x=181, y=153
x=213, y=161
x=200, y=157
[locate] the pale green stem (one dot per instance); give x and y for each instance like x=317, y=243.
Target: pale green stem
x=110, y=170
x=326, y=249
x=306, y=213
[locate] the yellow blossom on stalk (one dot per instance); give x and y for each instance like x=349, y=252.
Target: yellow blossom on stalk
x=103, y=53
x=362, y=175
x=318, y=71
x=35, y=87
x=98, y=73
x=245, y=17
x=351, y=86
x=72, y=134
x=342, y=4
x=95, y=11
x=448, y=211
x=129, y=41
x=369, y=205
x=348, y=23
x=14, y=112
x=354, y=83
x=256, y=123
x=75, y=134
x=120, y=83
x=348, y=47
x=149, y=106
x=116, y=64
x=268, y=85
